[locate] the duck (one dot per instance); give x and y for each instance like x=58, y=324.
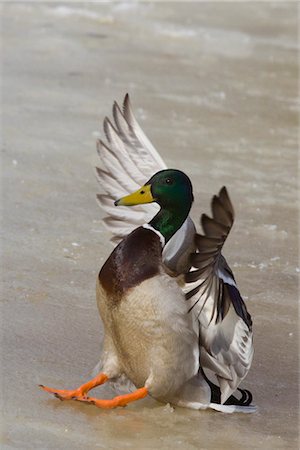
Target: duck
x=172, y=313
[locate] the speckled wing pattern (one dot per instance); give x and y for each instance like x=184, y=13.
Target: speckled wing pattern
x=128, y=160
x=225, y=326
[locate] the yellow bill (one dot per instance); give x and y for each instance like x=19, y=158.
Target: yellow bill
x=142, y=195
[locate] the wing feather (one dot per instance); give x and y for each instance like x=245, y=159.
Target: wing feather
x=212, y=228
x=150, y=155
x=220, y=214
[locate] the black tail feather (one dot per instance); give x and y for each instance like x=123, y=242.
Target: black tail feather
x=245, y=400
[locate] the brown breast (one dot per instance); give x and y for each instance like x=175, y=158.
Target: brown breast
x=135, y=259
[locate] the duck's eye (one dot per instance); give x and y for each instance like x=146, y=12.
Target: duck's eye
x=169, y=181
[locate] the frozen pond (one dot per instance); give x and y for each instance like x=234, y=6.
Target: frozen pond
x=215, y=87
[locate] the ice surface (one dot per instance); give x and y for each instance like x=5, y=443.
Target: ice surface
x=215, y=86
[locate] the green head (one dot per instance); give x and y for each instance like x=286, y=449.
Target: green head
x=173, y=191
x=171, y=188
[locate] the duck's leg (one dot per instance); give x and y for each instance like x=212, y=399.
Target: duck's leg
x=121, y=400
x=80, y=392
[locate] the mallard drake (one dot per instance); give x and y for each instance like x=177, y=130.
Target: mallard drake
x=168, y=300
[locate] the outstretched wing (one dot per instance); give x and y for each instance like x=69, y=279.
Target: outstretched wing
x=225, y=326
x=128, y=160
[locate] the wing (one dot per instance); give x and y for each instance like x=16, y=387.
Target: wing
x=128, y=160
x=225, y=326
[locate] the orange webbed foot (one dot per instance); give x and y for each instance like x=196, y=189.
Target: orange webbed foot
x=64, y=394
x=121, y=400
x=79, y=393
